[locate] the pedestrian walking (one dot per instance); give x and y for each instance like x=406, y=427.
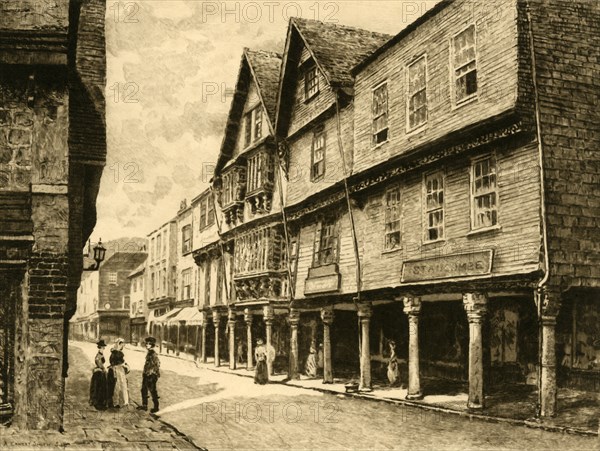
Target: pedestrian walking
x=393, y=370
x=310, y=368
x=150, y=376
x=120, y=392
x=98, y=383
x=261, y=373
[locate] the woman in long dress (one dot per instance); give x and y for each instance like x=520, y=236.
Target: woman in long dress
x=261, y=375
x=120, y=394
x=393, y=371
x=98, y=383
x=310, y=369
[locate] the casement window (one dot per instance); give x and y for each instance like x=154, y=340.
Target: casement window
x=159, y=246
x=484, y=193
x=465, y=65
x=164, y=245
x=228, y=188
x=207, y=212
x=326, y=243
x=253, y=121
x=380, y=114
x=219, y=284
x=317, y=169
x=311, y=81
x=152, y=249
x=164, y=282
x=186, y=284
x=417, y=93
x=186, y=239
x=112, y=278
x=258, y=251
x=256, y=168
x=392, y=218
x=152, y=284
x=434, y=206
x=207, y=271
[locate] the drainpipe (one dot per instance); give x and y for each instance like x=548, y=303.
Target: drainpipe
x=544, y=280
x=357, y=299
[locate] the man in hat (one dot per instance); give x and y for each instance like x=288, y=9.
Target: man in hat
x=150, y=376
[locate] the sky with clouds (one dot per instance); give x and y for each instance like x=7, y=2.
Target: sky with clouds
x=172, y=65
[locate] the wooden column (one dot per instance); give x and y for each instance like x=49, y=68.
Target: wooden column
x=203, y=342
x=364, y=314
x=475, y=305
x=231, y=318
x=216, y=324
x=250, y=354
x=548, y=390
x=197, y=344
x=550, y=298
x=269, y=315
x=160, y=338
x=327, y=318
x=294, y=319
x=178, y=339
x=412, y=307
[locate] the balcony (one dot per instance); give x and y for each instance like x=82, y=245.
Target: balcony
x=232, y=191
x=260, y=181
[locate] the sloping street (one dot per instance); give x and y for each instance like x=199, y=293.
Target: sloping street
x=221, y=411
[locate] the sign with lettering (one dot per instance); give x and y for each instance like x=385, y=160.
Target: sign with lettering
x=448, y=266
x=325, y=284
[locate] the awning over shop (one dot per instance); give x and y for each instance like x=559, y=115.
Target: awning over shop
x=186, y=314
x=163, y=319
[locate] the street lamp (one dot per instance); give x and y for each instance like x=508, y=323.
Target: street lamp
x=99, y=254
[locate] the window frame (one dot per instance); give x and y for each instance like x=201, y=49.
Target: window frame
x=399, y=220
x=409, y=95
x=253, y=124
x=453, y=69
x=427, y=211
x=319, y=132
x=472, y=195
x=317, y=260
x=113, y=278
x=311, y=84
x=374, y=117
x=186, y=229
x=186, y=288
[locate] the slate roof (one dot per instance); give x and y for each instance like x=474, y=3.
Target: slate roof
x=266, y=67
x=338, y=48
x=124, y=260
x=140, y=269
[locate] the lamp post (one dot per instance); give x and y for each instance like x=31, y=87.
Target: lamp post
x=99, y=254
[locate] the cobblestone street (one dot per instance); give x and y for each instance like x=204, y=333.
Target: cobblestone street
x=222, y=411
x=88, y=429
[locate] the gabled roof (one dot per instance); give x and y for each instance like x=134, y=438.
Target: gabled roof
x=139, y=270
x=338, y=48
x=402, y=34
x=335, y=48
x=266, y=67
x=263, y=68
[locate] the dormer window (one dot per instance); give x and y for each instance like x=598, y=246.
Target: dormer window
x=253, y=122
x=311, y=81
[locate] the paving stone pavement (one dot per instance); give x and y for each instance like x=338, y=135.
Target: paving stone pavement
x=85, y=428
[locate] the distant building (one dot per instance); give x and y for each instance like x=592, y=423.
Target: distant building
x=103, y=307
x=138, y=307
x=161, y=272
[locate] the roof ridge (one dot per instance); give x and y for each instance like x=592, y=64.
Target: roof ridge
x=341, y=26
